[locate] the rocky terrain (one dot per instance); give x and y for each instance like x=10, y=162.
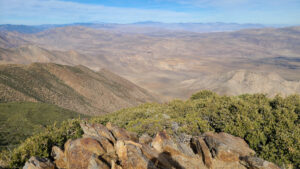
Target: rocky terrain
x=28, y=54
x=166, y=61
x=243, y=81
x=105, y=147
x=75, y=88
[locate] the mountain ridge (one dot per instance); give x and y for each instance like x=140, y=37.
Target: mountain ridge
x=244, y=81
x=161, y=62
x=146, y=25
x=76, y=88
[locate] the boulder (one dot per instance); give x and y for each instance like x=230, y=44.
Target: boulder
x=145, y=139
x=163, y=140
x=258, y=163
x=78, y=152
x=106, y=145
x=202, y=150
x=182, y=161
x=96, y=163
x=122, y=134
x=97, y=130
x=179, y=155
x=226, y=147
x=115, y=166
x=131, y=156
x=157, y=158
x=59, y=157
x=38, y=163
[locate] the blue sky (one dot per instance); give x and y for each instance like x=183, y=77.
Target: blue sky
x=35, y=12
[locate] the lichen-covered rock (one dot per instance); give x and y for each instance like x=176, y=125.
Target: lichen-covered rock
x=122, y=134
x=115, y=166
x=78, y=152
x=106, y=145
x=163, y=140
x=178, y=155
x=59, y=157
x=157, y=158
x=96, y=163
x=131, y=156
x=145, y=139
x=39, y=163
x=227, y=147
x=258, y=163
x=203, y=151
x=97, y=130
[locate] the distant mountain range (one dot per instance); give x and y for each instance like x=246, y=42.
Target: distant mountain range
x=140, y=27
x=172, y=64
x=75, y=88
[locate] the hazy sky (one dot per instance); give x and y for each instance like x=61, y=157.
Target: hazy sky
x=127, y=11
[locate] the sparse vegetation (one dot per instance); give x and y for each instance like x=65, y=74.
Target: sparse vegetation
x=269, y=125
x=75, y=88
x=20, y=120
x=41, y=144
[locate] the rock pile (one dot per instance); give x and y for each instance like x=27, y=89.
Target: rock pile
x=111, y=147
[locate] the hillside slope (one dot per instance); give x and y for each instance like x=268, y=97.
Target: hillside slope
x=243, y=81
x=76, y=88
x=21, y=120
x=27, y=54
x=163, y=61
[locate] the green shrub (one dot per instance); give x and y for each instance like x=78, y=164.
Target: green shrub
x=20, y=120
x=41, y=144
x=269, y=125
x=203, y=95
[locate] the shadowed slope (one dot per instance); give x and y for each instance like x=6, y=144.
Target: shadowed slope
x=21, y=120
x=76, y=88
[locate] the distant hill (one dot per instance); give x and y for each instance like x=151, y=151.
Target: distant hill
x=75, y=88
x=244, y=81
x=164, y=60
x=27, y=54
x=28, y=29
x=141, y=27
x=22, y=28
x=21, y=120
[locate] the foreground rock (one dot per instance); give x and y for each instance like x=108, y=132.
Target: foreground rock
x=38, y=163
x=110, y=147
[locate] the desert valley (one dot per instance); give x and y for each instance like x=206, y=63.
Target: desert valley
x=171, y=63
x=149, y=84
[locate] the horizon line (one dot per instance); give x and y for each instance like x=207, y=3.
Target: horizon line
x=151, y=22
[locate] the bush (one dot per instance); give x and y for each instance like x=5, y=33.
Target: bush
x=41, y=144
x=20, y=120
x=269, y=125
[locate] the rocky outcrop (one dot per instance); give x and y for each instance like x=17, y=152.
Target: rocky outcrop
x=111, y=147
x=38, y=163
x=258, y=163
x=59, y=157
